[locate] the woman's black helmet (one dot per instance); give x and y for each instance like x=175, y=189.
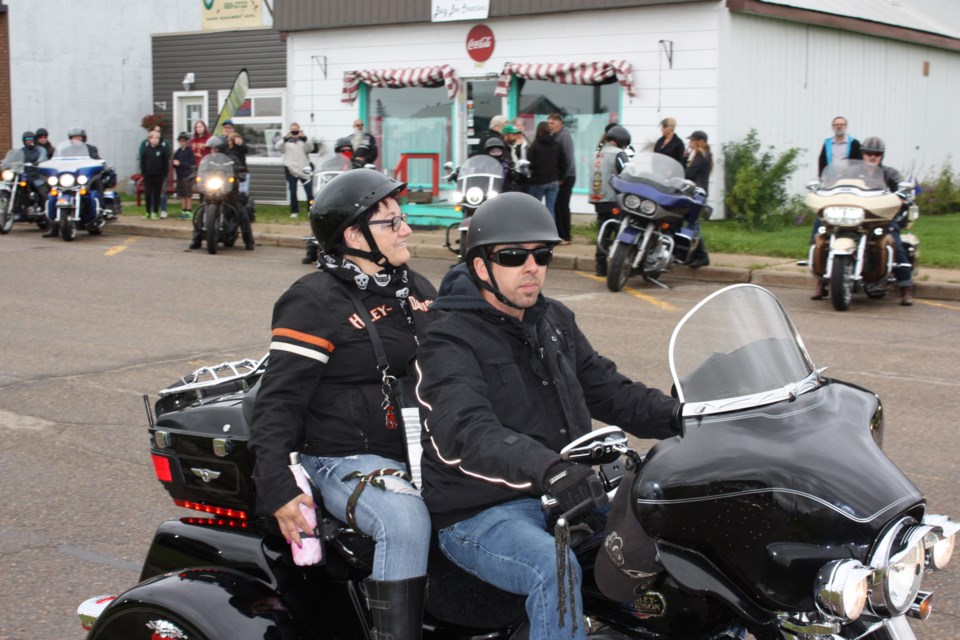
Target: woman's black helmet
x=873, y=144
x=494, y=143
x=342, y=203
x=343, y=144
x=42, y=132
x=619, y=135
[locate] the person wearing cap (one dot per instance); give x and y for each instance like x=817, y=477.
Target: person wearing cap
x=698, y=165
x=668, y=143
x=505, y=380
x=238, y=150
x=326, y=395
x=516, y=143
x=296, y=165
x=183, y=165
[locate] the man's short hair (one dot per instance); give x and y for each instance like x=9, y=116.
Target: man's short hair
x=555, y=116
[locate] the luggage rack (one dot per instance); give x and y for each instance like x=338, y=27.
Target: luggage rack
x=211, y=382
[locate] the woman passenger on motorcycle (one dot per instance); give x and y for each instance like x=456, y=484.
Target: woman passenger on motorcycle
x=323, y=393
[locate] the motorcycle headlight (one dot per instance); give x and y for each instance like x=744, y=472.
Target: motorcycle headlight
x=631, y=201
x=7, y=175
x=941, y=540
x=843, y=216
x=474, y=196
x=648, y=207
x=214, y=184
x=82, y=179
x=52, y=181
x=67, y=179
x=900, y=559
x=456, y=197
x=842, y=587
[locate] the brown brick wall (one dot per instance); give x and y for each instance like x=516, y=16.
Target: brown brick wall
x=5, y=109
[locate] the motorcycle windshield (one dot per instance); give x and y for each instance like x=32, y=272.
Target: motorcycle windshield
x=215, y=164
x=738, y=349
x=332, y=162
x=13, y=160
x=853, y=173
x=70, y=149
x=656, y=169
x=481, y=168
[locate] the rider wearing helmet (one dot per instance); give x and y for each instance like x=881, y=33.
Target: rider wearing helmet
x=78, y=136
x=497, y=149
x=873, y=151
x=33, y=154
x=43, y=140
x=610, y=160
x=506, y=380
x=331, y=391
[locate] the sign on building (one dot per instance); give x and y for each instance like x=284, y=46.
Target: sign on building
x=231, y=14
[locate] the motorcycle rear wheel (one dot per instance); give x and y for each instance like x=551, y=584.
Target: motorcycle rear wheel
x=841, y=282
x=621, y=266
x=212, y=223
x=6, y=216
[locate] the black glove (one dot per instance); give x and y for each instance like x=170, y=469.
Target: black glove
x=571, y=484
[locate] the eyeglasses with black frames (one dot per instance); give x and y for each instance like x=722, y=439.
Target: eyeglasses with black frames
x=517, y=256
x=395, y=222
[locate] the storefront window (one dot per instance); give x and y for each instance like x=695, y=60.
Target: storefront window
x=586, y=110
x=259, y=120
x=411, y=120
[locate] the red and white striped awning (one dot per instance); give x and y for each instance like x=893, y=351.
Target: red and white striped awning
x=396, y=78
x=569, y=73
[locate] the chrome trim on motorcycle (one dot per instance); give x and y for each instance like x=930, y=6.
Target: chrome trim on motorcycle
x=899, y=560
x=788, y=392
x=841, y=589
x=238, y=369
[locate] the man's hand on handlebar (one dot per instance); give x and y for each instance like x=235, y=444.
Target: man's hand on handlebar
x=573, y=484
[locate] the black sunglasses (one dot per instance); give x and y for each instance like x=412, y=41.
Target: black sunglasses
x=517, y=256
x=395, y=222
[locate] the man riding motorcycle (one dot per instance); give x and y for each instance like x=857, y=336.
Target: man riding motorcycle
x=34, y=154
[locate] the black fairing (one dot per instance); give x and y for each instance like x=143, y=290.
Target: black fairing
x=769, y=495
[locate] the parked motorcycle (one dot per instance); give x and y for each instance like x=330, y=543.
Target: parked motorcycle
x=853, y=251
x=23, y=195
x=775, y=512
x=224, y=213
x=81, y=191
x=477, y=180
x=654, y=201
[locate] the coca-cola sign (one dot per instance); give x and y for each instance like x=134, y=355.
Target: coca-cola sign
x=480, y=43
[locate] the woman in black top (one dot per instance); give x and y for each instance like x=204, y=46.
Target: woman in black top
x=323, y=393
x=154, y=166
x=669, y=144
x=547, y=165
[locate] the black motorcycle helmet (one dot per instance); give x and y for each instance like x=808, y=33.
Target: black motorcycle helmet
x=343, y=144
x=42, y=132
x=873, y=144
x=344, y=202
x=619, y=135
x=216, y=143
x=28, y=135
x=495, y=143
x=509, y=218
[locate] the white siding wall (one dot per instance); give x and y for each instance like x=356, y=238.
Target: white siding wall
x=88, y=64
x=789, y=80
x=688, y=91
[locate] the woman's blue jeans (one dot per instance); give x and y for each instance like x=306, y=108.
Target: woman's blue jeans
x=547, y=192
x=509, y=547
x=398, y=522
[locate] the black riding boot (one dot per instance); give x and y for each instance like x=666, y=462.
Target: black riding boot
x=53, y=231
x=397, y=608
x=312, y=253
x=700, y=257
x=197, y=239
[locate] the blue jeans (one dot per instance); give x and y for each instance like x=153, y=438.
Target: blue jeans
x=292, y=182
x=547, y=192
x=509, y=547
x=904, y=274
x=398, y=522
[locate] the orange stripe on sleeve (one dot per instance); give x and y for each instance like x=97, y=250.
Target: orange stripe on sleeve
x=304, y=337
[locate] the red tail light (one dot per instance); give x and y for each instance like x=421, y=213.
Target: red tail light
x=161, y=466
x=217, y=511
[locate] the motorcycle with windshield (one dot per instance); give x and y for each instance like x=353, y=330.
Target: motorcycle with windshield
x=477, y=180
x=654, y=200
x=853, y=250
x=224, y=213
x=774, y=512
x=81, y=191
x=23, y=194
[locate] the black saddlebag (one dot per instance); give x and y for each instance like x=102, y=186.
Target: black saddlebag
x=199, y=438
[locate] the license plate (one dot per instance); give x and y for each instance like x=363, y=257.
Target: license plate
x=628, y=235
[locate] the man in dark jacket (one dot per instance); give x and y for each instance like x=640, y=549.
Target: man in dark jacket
x=506, y=379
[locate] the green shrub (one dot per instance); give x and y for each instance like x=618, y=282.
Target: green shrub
x=940, y=194
x=756, y=182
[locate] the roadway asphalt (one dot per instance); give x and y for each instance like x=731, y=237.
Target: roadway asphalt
x=936, y=284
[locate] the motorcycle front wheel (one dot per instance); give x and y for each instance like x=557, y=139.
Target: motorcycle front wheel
x=6, y=215
x=620, y=267
x=841, y=282
x=212, y=223
x=68, y=226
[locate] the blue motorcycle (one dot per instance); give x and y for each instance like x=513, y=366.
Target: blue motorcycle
x=80, y=193
x=654, y=201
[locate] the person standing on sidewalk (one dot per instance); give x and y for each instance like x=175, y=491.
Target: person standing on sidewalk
x=184, y=168
x=568, y=176
x=669, y=144
x=154, y=166
x=296, y=165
